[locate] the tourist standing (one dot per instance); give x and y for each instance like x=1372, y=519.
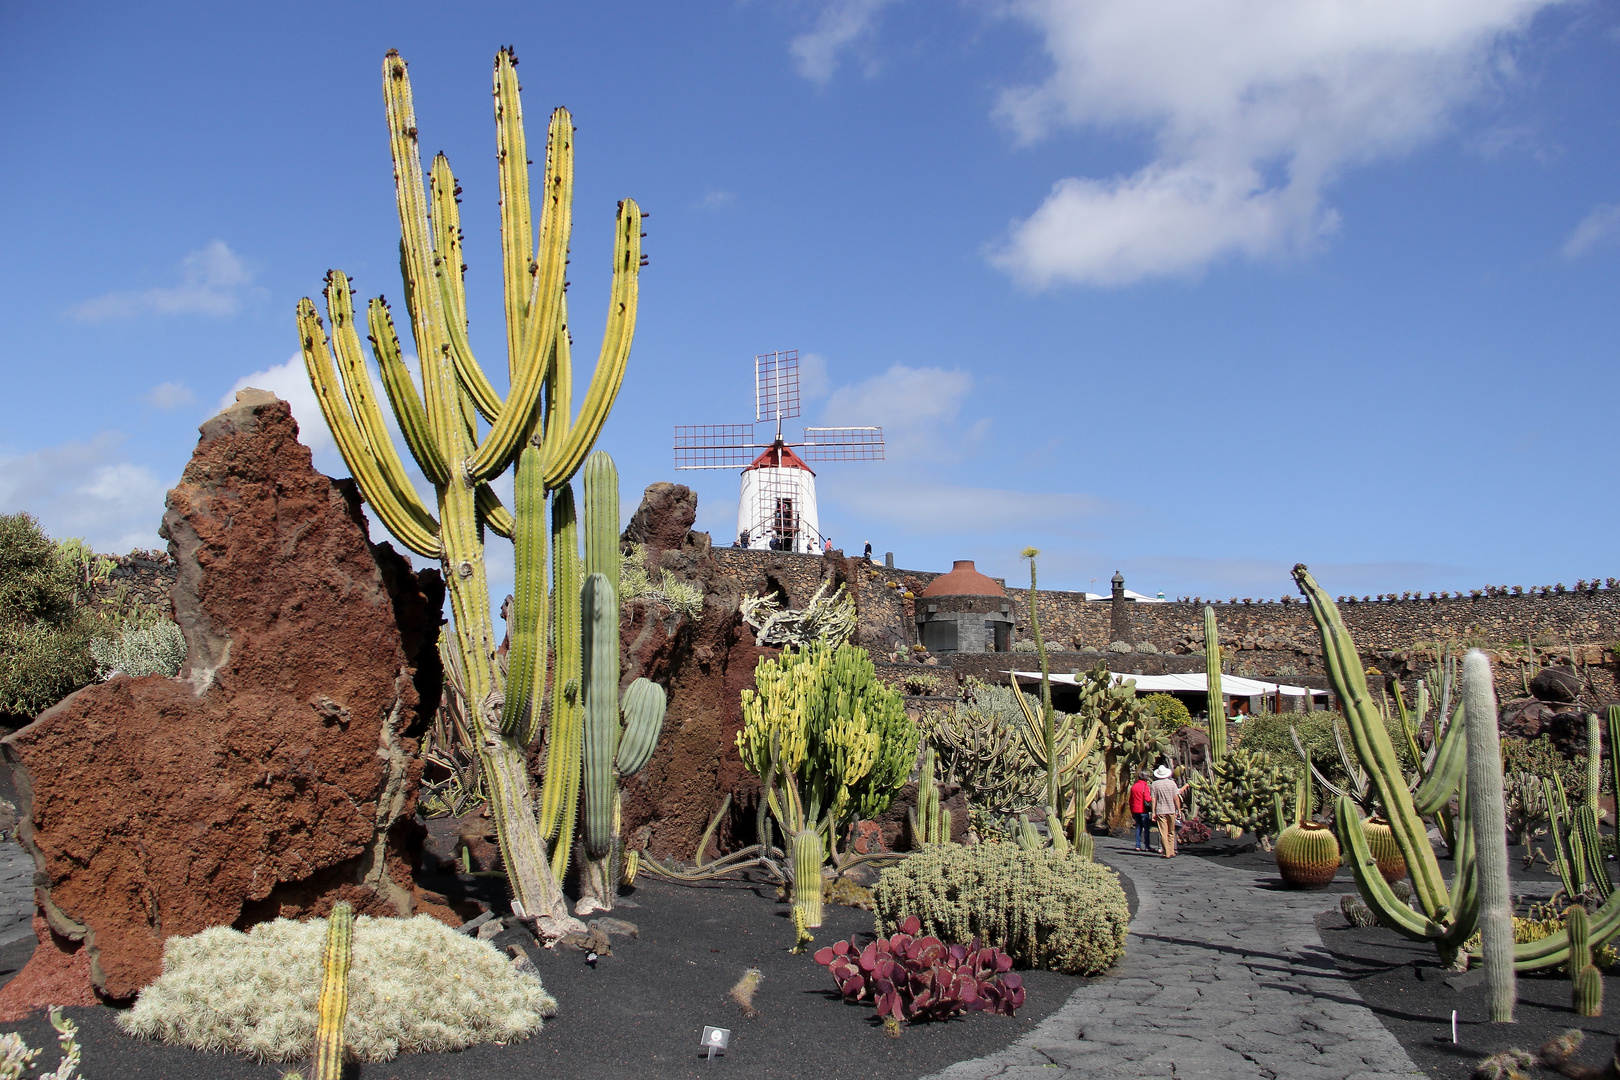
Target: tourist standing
x=1142, y=809
x=1166, y=808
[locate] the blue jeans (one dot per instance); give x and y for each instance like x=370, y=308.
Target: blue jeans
x=1144, y=830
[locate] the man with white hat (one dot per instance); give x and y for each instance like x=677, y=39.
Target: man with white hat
x=1166, y=808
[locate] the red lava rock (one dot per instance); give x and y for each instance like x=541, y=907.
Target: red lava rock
x=57, y=974
x=272, y=778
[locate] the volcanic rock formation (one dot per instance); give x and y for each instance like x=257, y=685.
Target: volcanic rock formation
x=273, y=777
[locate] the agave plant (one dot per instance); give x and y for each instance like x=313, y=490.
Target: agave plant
x=921, y=978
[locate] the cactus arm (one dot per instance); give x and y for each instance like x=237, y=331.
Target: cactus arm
x=1447, y=772
x=1389, y=908
x=644, y=705
x=1612, y=724
x=447, y=267
x=1214, y=702
x=1560, y=848
x=402, y=395
x=1586, y=826
x=333, y=1006
x=601, y=481
x=517, y=223
x=560, y=796
x=517, y=415
x=492, y=512
x=416, y=241
x=1408, y=730
x=600, y=614
x=1374, y=747
x=526, y=676
x=362, y=399
x=559, y=389
x=413, y=526
x=615, y=354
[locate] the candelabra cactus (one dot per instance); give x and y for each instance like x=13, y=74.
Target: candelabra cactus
x=1487, y=811
x=1586, y=982
x=830, y=742
x=333, y=1006
x=532, y=429
x=1215, y=703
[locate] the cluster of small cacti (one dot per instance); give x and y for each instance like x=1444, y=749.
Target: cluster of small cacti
x=980, y=747
x=1242, y=792
x=533, y=429
x=1057, y=911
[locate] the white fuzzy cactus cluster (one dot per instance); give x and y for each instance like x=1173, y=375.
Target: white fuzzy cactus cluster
x=415, y=985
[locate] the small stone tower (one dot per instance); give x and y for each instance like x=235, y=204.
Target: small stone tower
x=964, y=611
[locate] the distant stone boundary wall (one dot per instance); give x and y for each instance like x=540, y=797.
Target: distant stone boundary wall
x=1273, y=641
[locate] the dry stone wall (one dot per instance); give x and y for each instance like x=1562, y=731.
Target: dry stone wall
x=1270, y=640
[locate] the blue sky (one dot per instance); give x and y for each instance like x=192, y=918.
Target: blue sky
x=1190, y=290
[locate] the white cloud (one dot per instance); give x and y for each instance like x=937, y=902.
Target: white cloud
x=1600, y=227
x=83, y=489
x=213, y=281
x=169, y=395
x=813, y=380
x=1255, y=105
x=916, y=407
x=715, y=199
x=842, y=24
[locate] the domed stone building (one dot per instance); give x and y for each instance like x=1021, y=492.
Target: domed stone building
x=964, y=612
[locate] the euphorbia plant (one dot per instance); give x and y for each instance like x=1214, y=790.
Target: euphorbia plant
x=921, y=978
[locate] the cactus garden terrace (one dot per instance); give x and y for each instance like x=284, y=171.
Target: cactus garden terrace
x=452, y=758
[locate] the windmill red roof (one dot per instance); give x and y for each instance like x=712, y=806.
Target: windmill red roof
x=779, y=456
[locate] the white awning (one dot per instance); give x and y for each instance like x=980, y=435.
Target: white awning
x=1191, y=682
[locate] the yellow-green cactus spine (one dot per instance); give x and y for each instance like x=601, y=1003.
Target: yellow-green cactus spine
x=1214, y=702
x=532, y=427
x=333, y=1007
x=1586, y=982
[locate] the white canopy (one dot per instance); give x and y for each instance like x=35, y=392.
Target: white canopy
x=1192, y=682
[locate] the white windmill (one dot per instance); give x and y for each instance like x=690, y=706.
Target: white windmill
x=777, y=510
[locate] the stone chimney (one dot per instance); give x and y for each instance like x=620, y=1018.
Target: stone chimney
x=1119, y=616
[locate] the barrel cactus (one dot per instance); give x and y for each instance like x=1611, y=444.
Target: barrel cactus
x=1391, y=864
x=1307, y=856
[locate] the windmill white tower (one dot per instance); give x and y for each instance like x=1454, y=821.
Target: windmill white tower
x=777, y=508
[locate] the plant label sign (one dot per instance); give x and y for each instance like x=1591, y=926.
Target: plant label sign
x=716, y=1039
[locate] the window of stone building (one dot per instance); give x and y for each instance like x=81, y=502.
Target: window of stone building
x=997, y=636
x=940, y=636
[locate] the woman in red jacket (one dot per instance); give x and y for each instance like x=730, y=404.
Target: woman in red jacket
x=1142, y=810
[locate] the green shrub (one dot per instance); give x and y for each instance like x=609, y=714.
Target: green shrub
x=1270, y=732
x=44, y=635
x=1060, y=912
x=1172, y=714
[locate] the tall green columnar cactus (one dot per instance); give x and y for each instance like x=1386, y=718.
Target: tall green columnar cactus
x=930, y=821
x=1049, y=733
x=1487, y=812
x=559, y=800
x=1216, y=704
x=532, y=428
x=1586, y=982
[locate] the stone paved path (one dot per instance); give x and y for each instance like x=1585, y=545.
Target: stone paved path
x=1222, y=980
x=16, y=893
